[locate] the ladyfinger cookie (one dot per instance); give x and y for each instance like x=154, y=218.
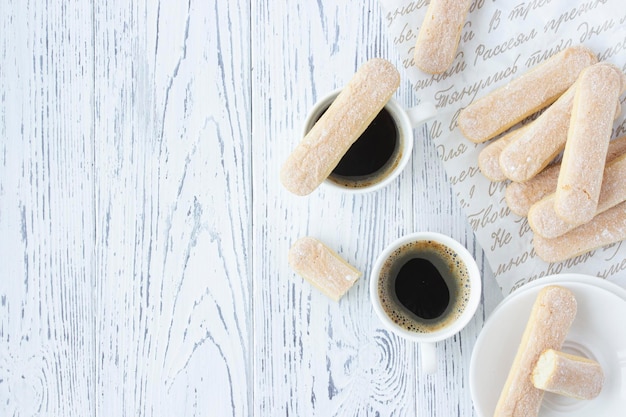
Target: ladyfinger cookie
x=604, y=229
x=489, y=156
x=580, y=178
x=520, y=196
x=544, y=221
x=541, y=143
x=523, y=96
x=439, y=35
x=322, y=267
x=356, y=106
x=551, y=316
x=526, y=157
x=569, y=375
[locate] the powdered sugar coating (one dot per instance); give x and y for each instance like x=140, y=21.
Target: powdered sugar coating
x=340, y=126
x=520, y=196
x=580, y=178
x=438, y=37
x=489, y=157
x=544, y=139
x=569, y=375
x=604, y=229
x=322, y=267
x=544, y=221
x=523, y=96
x=541, y=142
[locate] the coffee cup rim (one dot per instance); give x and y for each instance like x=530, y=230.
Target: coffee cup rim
x=405, y=130
x=474, y=277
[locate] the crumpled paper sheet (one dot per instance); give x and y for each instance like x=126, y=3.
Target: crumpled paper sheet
x=500, y=41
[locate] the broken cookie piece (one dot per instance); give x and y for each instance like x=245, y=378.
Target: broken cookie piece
x=322, y=267
x=569, y=375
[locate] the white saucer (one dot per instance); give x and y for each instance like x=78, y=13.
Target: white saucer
x=598, y=332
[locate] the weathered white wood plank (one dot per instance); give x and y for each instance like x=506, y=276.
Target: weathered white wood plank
x=46, y=209
x=316, y=357
x=144, y=233
x=173, y=208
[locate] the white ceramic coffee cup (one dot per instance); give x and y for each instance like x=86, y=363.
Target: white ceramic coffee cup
x=427, y=340
x=405, y=145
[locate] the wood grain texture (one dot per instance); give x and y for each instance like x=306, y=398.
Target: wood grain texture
x=144, y=231
x=173, y=208
x=46, y=210
x=316, y=357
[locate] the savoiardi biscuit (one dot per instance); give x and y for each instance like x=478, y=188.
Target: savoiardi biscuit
x=356, y=106
x=520, y=196
x=532, y=91
x=544, y=221
x=322, y=267
x=489, y=156
x=568, y=375
x=604, y=229
x=545, y=138
x=580, y=178
x=540, y=143
x=438, y=37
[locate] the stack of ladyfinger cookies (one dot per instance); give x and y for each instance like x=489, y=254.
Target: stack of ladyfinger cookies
x=576, y=205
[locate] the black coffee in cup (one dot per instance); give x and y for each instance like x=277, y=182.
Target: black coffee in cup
x=424, y=286
x=372, y=156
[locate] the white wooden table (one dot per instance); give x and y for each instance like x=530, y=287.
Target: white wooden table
x=144, y=232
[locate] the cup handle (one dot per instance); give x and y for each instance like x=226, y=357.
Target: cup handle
x=428, y=358
x=421, y=114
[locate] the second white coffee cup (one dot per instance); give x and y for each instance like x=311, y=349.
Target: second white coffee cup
x=425, y=287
